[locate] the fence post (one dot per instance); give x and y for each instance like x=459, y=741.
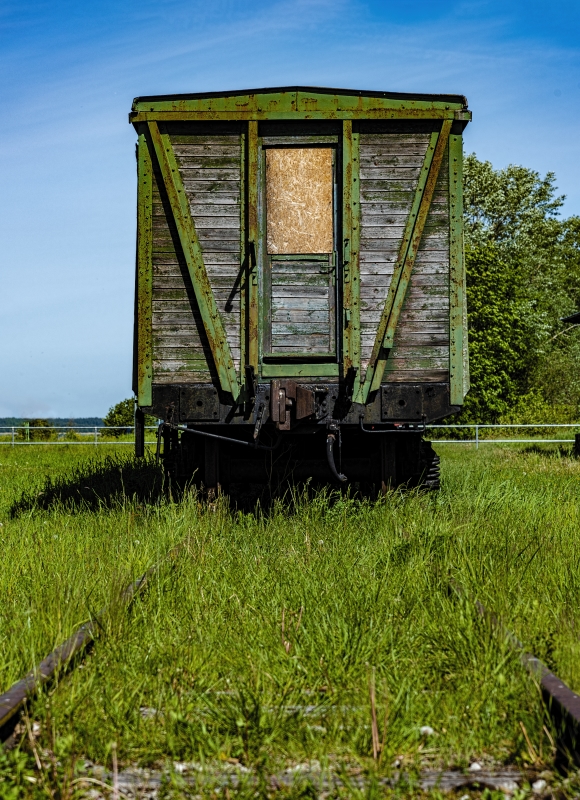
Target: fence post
x=12, y=436
x=477, y=437
x=577, y=445
x=96, y=434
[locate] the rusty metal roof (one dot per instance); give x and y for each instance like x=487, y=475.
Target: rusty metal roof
x=441, y=98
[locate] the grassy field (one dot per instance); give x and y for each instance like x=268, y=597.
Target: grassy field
x=268, y=640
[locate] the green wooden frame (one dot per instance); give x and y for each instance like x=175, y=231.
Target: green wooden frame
x=144, y=300
x=192, y=252
x=253, y=316
x=351, y=339
x=303, y=371
x=458, y=376
x=406, y=259
x=296, y=104
x=244, y=265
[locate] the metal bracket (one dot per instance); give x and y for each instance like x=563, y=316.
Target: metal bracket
x=286, y=395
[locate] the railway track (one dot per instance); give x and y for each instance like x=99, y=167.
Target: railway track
x=562, y=704
x=66, y=656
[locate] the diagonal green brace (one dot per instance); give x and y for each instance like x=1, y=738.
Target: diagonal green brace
x=405, y=261
x=194, y=258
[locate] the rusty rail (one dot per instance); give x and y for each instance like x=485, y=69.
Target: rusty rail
x=562, y=703
x=13, y=701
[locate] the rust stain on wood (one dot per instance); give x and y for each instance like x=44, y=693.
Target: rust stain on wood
x=299, y=200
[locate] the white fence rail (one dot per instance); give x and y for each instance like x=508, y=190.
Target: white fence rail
x=93, y=435
x=25, y=434
x=477, y=427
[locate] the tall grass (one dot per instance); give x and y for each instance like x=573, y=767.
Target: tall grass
x=262, y=640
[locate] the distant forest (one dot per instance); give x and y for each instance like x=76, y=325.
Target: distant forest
x=77, y=422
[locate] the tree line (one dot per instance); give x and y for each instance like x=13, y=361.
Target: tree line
x=523, y=276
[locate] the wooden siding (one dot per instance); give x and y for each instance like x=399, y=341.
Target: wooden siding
x=302, y=307
x=389, y=171
x=210, y=169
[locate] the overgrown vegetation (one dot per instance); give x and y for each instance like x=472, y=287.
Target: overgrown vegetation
x=523, y=275
x=120, y=418
x=259, y=643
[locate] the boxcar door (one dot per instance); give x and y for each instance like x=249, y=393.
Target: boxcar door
x=299, y=253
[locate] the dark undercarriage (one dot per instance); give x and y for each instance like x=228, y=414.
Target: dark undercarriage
x=294, y=432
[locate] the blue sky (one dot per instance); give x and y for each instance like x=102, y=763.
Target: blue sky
x=70, y=71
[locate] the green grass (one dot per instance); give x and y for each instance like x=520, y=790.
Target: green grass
x=259, y=642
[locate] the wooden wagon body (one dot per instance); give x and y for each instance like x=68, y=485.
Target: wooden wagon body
x=300, y=278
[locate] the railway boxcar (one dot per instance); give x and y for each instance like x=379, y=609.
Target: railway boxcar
x=300, y=286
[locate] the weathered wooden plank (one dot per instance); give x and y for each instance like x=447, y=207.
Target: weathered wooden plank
x=397, y=218
x=423, y=339
x=229, y=188
x=419, y=315
x=430, y=267
x=220, y=234
x=396, y=364
x=392, y=158
x=372, y=187
x=207, y=211
x=163, y=238
x=390, y=173
x=184, y=378
x=390, y=139
x=302, y=315
x=400, y=375
x=219, y=222
x=373, y=245
x=222, y=177
x=396, y=201
x=374, y=281
x=297, y=344
x=167, y=261
x=169, y=357
x=210, y=150
x=205, y=140
x=222, y=279
x=302, y=140
x=299, y=301
x=396, y=232
x=217, y=161
x=299, y=329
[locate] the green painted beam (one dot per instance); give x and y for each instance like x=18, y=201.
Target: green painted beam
x=351, y=342
x=457, y=324
x=300, y=371
x=194, y=258
x=144, y=283
x=253, y=332
x=404, y=266
x=295, y=102
x=340, y=114
x=243, y=257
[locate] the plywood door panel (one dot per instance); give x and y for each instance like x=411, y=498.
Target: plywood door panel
x=299, y=189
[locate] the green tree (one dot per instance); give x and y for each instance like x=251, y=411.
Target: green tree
x=523, y=275
x=121, y=418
